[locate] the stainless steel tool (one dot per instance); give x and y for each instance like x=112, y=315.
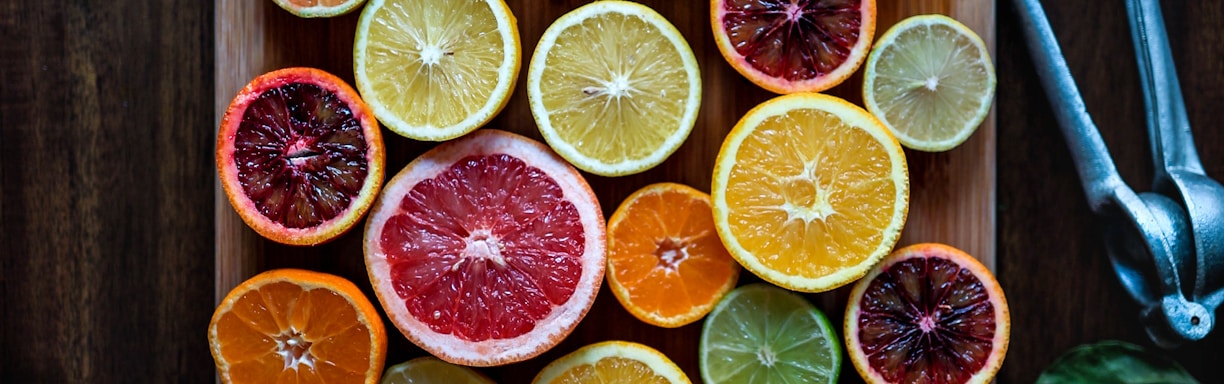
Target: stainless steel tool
x=1166, y=246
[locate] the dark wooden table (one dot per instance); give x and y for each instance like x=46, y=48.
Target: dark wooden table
x=106, y=186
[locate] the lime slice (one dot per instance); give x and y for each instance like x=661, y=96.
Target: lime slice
x=930, y=80
x=761, y=333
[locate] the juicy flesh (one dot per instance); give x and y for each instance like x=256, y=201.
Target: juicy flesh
x=768, y=337
x=282, y=331
x=611, y=370
x=668, y=255
x=931, y=82
x=795, y=40
x=485, y=249
x=432, y=64
x=809, y=194
x=300, y=154
x=926, y=320
x=614, y=87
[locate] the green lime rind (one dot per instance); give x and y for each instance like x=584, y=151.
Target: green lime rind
x=760, y=333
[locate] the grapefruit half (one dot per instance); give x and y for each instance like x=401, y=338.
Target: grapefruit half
x=486, y=250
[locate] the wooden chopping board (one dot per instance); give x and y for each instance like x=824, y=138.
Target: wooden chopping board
x=952, y=194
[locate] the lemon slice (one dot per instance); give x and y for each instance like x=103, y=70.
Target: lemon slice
x=930, y=80
x=436, y=69
x=612, y=362
x=614, y=87
x=430, y=369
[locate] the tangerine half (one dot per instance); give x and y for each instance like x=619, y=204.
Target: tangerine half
x=297, y=326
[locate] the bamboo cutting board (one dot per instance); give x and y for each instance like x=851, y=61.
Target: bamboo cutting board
x=952, y=196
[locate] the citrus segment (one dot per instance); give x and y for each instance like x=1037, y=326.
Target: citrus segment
x=299, y=156
x=319, y=8
x=794, y=46
x=486, y=250
x=428, y=369
x=435, y=70
x=931, y=81
x=927, y=313
x=666, y=264
x=763, y=334
x=612, y=362
x=291, y=325
x=809, y=191
x=614, y=87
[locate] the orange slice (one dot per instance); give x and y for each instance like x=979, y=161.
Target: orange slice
x=809, y=191
x=928, y=313
x=291, y=325
x=612, y=362
x=666, y=264
x=486, y=250
x=300, y=156
x=794, y=46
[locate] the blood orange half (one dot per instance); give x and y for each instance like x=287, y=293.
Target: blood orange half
x=299, y=155
x=789, y=46
x=928, y=313
x=486, y=250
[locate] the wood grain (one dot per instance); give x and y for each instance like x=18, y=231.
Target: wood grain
x=107, y=114
x=106, y=229
x=952, y=198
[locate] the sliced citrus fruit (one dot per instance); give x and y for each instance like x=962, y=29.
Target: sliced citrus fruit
x=614, y=87
x=436, y=69
x=319, y=8
x=763, y=334
x=796, y=45
x=809, y=191
x=930, y=80
x=928, y=313
x=486, y=250
x=611, y=362
x=666, y=264
x=428, y=369
x=291, y=326
x=299, y=156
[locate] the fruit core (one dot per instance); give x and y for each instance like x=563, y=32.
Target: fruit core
x=671, y=253
x=485, y=249
x=294, y=349
x=796, y=40
x=926, y=318
x=300, y=154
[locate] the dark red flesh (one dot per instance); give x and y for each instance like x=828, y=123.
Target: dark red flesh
x=300, y=154
x=496, y=200
x=955, y=307
x=795, y=40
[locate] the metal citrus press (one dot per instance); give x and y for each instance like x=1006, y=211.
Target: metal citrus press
x=1166, y=245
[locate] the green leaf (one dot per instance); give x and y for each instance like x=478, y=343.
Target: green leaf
x=1114, y=362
